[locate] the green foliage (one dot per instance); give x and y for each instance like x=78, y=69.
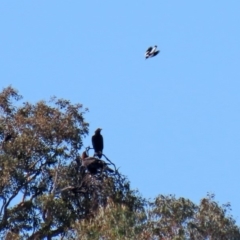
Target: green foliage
x=166, y=218
x=115, y=221
x=171, y=218
x=44, y=139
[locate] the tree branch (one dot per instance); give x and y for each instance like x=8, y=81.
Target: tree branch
x=55, y=179
x=41, y=234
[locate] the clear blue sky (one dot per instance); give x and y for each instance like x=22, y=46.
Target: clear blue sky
x=171, y=123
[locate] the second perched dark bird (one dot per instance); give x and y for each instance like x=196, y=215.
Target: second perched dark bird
x=97, y=142
x=94, y=165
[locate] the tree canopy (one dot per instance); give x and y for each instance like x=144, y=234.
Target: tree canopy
x=47, y=193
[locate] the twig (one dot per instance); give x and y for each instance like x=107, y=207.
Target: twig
x=109, y=161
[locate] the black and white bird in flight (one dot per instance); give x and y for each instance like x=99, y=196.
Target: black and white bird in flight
x=151, y=52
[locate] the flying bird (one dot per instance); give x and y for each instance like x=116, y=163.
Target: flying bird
x=151, y=52
x=97, y=142
x=93, y=164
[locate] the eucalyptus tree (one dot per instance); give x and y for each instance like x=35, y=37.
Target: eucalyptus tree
x=43, y=186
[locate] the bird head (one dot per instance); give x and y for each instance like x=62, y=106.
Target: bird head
x=84, y=155
x=98, y=130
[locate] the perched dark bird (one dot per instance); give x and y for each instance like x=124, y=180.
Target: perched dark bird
x=97, y=142
x=94, y=164
x=151, y=52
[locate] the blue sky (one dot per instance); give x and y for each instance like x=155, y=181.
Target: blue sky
x=171, y=123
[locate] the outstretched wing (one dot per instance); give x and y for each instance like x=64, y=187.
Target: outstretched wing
x=155, y=54
x=149, y=49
